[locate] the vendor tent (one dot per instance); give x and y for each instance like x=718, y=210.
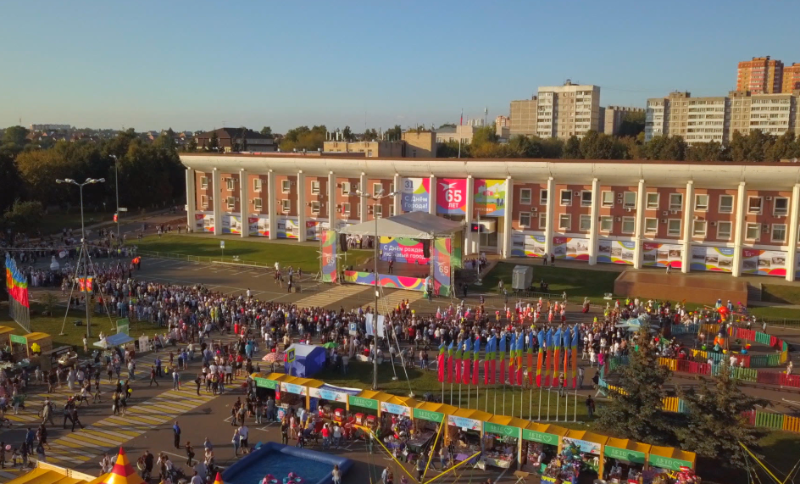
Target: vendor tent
x=308, y=360
x=113, y=340
x=412, y=225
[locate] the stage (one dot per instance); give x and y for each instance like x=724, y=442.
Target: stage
x=680, y=287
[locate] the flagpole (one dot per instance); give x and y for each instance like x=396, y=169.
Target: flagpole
x=540, y=405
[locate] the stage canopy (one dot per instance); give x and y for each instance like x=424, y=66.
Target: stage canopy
x=412, y=225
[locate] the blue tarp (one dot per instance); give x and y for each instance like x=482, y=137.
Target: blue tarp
x=308, y=360
x=114, y=340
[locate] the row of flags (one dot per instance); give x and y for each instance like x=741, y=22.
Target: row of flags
x=16, y=283
x=557, y=357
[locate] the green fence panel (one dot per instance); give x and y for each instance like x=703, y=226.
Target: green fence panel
x=682, y=407
x=716, y=357
x=758, y=361
x=774, y=360
x=762, y=338
x=745, y=374
x=769, y=420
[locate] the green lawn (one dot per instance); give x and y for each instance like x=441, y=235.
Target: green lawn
x=305, y=256
x=578, y=283
x=780, y=294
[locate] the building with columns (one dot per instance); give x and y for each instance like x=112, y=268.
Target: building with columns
x=737, y=218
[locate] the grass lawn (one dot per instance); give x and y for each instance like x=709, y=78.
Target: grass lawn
x=780, y=294
x=288, y=254
x=73, y=334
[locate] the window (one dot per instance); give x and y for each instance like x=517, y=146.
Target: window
x=754, y=205
x=585, y=223
x=230, y=202
x=778, y=232
x=674, y=227
x=586, y=198
x=726, y=204
x=377, y=209
x=230, y=184
x=204, y=201
x=315, y=188
x=752, y=231
x=606, y=223
x=257, y=185
x=629, y=200
x=391, y=210
x=345, y=188
x=286, y=186
x=203, y=182
x=346, y=209
x=701, y=202
x=286, y=205
x=542, y=197
x=566, y=198
x=542, y=221
x=377, y=189
x=315, y=207
x=699, y=228
x=676, y=201
x=650, y=225
x=565, y=222
x=781, y=208
x=628, y=225
x=391, y=188
x=652, y=201
x=525, y=196
x=257, y=204
x=608, y=199
x=525, y=219
x=724, y=230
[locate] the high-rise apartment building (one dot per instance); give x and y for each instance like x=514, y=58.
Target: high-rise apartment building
x=761, y=75
x=523, y=117
x=611, y=118
x=655, y=121
x=791, y=78
x=568, y=110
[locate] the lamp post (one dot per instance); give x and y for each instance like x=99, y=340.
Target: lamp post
x=116, y=189
x=89, y=181
x=377, y=197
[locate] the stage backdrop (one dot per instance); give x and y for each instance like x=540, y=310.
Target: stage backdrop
x=385, y=280
x=490, y=197
x=328, y=242
x=416, y=195
x=441, y=268
x=403, y=250
x=451, y=196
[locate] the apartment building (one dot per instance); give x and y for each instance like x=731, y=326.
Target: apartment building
x=370, y=149
x=760, y=75
x=791, y=78
x=523, y=117
x=568, y=110
x=736, y=218
x=502, y=127
x=612, y=117
x=655, y=121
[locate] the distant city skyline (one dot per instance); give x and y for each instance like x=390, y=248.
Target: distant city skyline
x=197, y=66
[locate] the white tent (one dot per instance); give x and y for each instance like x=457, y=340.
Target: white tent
x=412, y=225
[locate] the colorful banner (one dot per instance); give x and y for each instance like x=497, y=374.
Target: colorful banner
x=571, y=248
x=428, y=415
x=527, y=245
x=402, y=250
x=659, y=255
x=415, y=195
x=329, y=248
x=585, y=446
x=536, y=436
x=441, y=269
x=490, y=197
x=616, y=251
x=86, y=284
x=204, y=222
x=456, y=259
x=292, y=388
x=717, y=259
x=259, y=226
x=231, y=224
x=288, y=228
x=395, y=409
x=16, y=283
x=363, y=402
x=329, y=395
x=504, y=430
x=315, y=228
x=764, y=262
x=399, y=282
x=464, y=423
x=451, y=196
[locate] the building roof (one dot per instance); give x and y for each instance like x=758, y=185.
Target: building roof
x=234, y=133
x=412, y=225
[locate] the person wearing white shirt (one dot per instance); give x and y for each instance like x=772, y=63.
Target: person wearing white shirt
x=243, y=433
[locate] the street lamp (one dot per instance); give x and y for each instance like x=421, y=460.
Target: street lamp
x=116, y=184
x=377, y=197
x=88, y=181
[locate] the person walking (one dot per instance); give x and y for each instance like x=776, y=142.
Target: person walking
x=244, y=432
x=176, y=433
x=236, y=440
x=176, y=379
x=189, y=454
x=75, y=419
x=47, y=412
x=590, y=406
x=153, y=375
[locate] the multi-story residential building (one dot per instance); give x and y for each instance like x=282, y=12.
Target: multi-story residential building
x=523, y=117
x=791, y=78
x=463, y=132
x=243, y=139
x=568, y=110
x=419, y=144
x=371, y=149
x=502, y=126
x=761, y=75
x=737, y=218
x=656, y=116
x=612, y=117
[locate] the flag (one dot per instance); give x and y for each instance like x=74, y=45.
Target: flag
x=16, y=283
x=556, y=356
x=520, y=350
x=539, y=359
x=475, y=363
x=466, y=362
x=566, y=340
x=576, y=336
x=549, y=355
x=461, y=123
x=501, y=357
x=459, y=352
x=529, y=354
x=85, y=284
x=450, y=363
x=441, y=365
x=489, y=365
x=512, y=356
x=115, y=218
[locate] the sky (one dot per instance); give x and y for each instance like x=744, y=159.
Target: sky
x=197, y=65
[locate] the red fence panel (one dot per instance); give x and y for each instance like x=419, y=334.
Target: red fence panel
x=790, y=380
x=769, y=377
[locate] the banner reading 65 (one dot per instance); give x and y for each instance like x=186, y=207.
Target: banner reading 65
x=451, y=196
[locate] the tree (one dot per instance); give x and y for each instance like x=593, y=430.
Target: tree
x=369, y=135
x=347, y=134
x=213, y=141
x=715, y=425
x=24, y=216
x=16, y=136
x=450, y=149
x=304, y=138
x=447, y=125
x=12, y=184
x=632, y=124
x=572, y=148
x=635, y=411
x=266, y=132
x=191, y=146
x=165, y=141
x=597, y=146
x=753, y=147
x=711, y=151
x=394, y=134
x=785, y=147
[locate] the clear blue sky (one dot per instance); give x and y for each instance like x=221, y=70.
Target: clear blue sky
x=196, y=64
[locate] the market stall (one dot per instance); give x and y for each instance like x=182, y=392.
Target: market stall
x=428, y=417
x=501, y=441
x=365, y=409
x=661, y=460
x=19, y=347
x=267, y=385
x=624, y=460
x=540, y=444
x=5, y=336
x=38, y=343
x=330, y=402
x=580, y=457
x=464, y=432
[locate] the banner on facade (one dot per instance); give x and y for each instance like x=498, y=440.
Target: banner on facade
x=717, y=259
x=616, y=251
x=528, y=245
x=231, y=224
x=490, y=197
x=764, y=262
x=288, y=228
x=329, y=246
x=315, y=228
x=451, y=196
x=259, y=226
x=661, y=255
x=415, y=195
x=571, y=248
x=204, y=222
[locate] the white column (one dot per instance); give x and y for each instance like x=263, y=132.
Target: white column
x=272, y=209
x=217, y=192
x=641, y=201
x=508, y=219
x=331, y=200
x=548, y=231
x=472, y=244
x=191, y=199
x=791, y=255
x=362, y=201
x=688, y=223
x=594, y=213
x=432, y=196
x=301, y=206
x=398, y=189
x=738, y=234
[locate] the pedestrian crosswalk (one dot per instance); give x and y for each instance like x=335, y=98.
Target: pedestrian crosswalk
x=332, y=295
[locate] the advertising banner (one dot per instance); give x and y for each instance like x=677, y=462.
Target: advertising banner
x=616, y=251
x=490, y=197
x=329, y=247
x=451, y=196
x=329, y=395
x=527, y=245
x=231, y=224
x=464, y=423
x=415, y=195
x=292, y=388
x=259, y=226
x=503, y=430
x=314, y=228
x=625, y=454
x=571, y=248
x=204, y=222
x=402, y=250
x=535, y=436
x=659, y=255
x=441, y=268
x=363, y=402
x=428, y=415
x=717, y=259
x=399, y=282
x=456, y=260
x=585, y=446
x=764, y=262
x=395, y=409
x=288, y=228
